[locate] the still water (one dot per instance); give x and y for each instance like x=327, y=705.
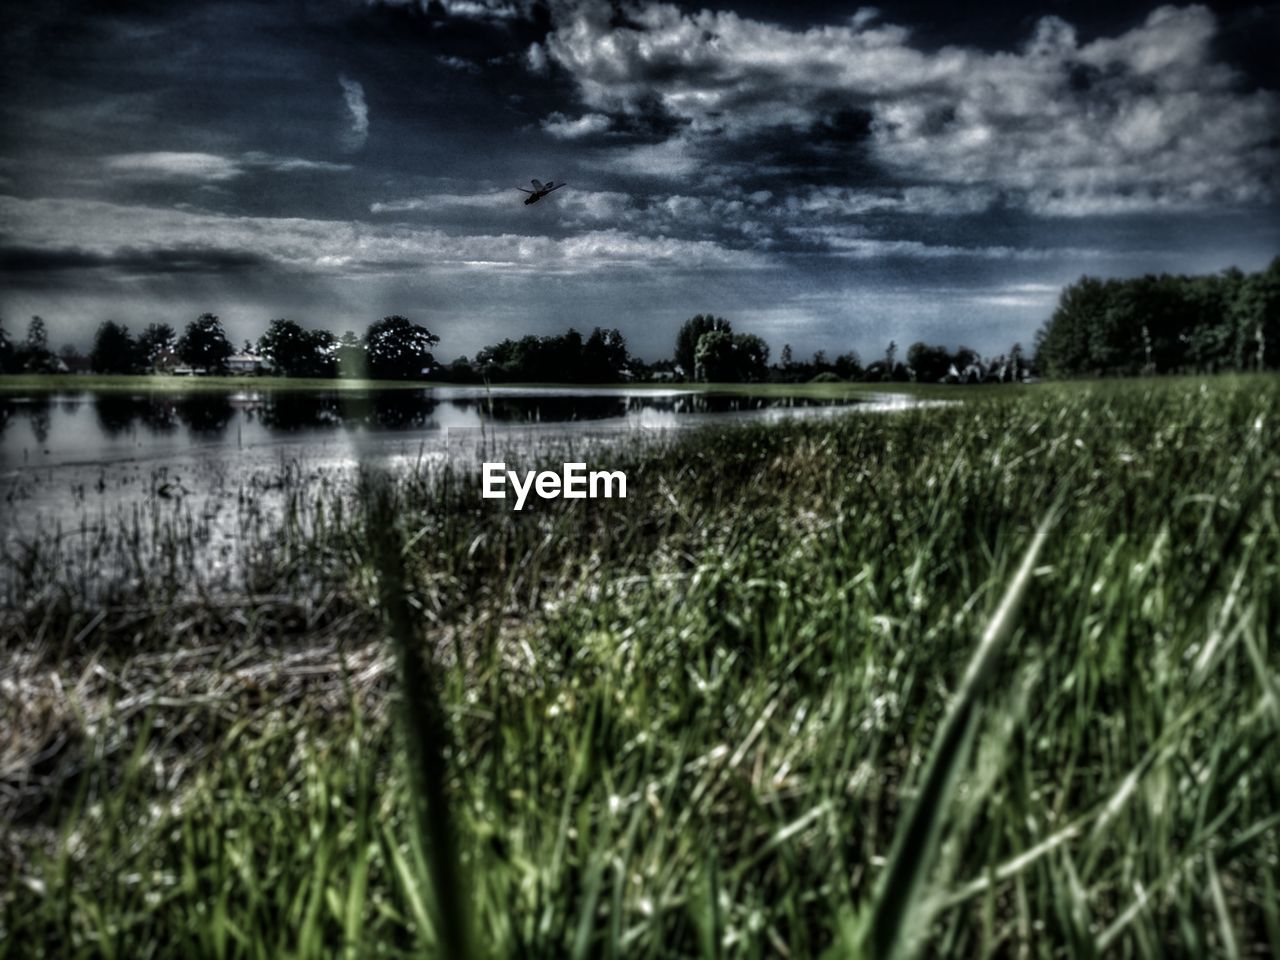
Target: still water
x=73, y=459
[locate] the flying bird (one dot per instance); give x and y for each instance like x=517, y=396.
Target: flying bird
x=539, y=190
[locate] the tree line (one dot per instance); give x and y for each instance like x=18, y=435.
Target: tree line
x=1146, y=325
x=706, y=349
x=393, y=348
x=1165, y=324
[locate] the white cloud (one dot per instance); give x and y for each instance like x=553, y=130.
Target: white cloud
x=461, y=64
x=353, y=96
x=474, y=9
x=1147, y=120
x=170, y=165
x=574, y=207
x=275, y=164
x=350, y=248
x=1017, y=296
x=671, y=158
x=846, y=242
x=571, y=128
x=936, y=201
x=207, y=167
x=485, y=9
x=536, y=58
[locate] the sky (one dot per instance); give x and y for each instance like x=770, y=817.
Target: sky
x=829, y=176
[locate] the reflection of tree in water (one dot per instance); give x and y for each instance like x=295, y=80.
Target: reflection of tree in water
x=211, y=412
x=393, y=410
x=297, y=410
x=530, y=410
x=540, y=409
x=161, y=414
x=118, y=413
x=546, y=409
x=205, y=412
x=390, y=410
x=38, y=412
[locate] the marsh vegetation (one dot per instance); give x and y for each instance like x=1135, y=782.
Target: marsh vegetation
x=993, y=679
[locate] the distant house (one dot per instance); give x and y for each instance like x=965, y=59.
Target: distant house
x=246, y=363
x=74, y=363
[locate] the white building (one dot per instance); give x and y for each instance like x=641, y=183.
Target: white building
x=246, y=363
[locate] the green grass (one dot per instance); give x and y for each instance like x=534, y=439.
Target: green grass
x=817, y=688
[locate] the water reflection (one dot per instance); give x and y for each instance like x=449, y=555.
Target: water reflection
x=206, y=414
x=85, y=426
x=389, y=410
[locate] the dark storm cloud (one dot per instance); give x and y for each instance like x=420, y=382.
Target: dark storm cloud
x=1147, y=120
x=128, y=262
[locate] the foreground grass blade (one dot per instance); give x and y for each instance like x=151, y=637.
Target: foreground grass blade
x=916, y=838
x=425, y=733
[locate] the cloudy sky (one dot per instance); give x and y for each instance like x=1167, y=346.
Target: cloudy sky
x=829, y=176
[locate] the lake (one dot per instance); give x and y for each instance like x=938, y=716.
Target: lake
x=84, y=460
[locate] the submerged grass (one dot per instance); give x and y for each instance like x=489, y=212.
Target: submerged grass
x=817, y=687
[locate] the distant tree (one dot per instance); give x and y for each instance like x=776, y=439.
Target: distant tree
x=714, y=360
x=891, y=356
x=35, y=355
x=8, y=355
x=295, y=352
x=690, y=333
x=399, y=349
x=604, y=356
x=324, y=352
x=751, y=358
x=875, y=372
x=930, y=364
x=1062, y=345
x=154, y=342
x=37, y=335
x=1017, y=362
x=963, y=359
x=847, y=366
x=1164, y=324
x=787, y=370
x=567, y=358
x=723, y=357
x=114, y=350
x=204, y=344
x=461, y=370
x=1253, y=314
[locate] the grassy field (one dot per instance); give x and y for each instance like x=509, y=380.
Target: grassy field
x=994, y=679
